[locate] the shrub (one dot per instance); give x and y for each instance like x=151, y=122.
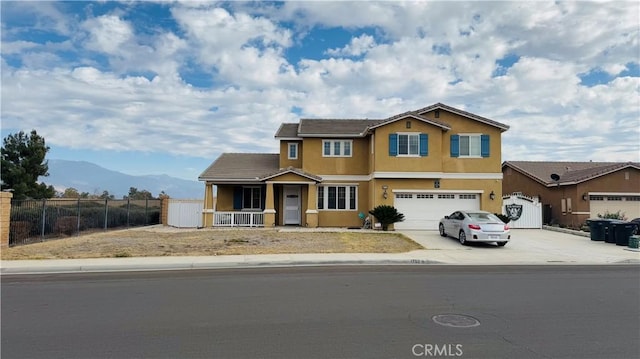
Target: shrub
x=387, y=215
x=616, y=215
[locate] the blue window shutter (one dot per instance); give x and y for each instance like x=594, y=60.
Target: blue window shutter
x=237, y=198
x=455, y=146
x=393, y=144
x=424, y=144
x=484, y=145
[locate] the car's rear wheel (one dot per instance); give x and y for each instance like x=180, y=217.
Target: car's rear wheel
x=462, y=238
x=441, y=228
x=501, y=244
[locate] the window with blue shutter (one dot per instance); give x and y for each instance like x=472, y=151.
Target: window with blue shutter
x=484, y=146
x=237, y=198
x=424, y=144
x=455, y=145
x=393, y=144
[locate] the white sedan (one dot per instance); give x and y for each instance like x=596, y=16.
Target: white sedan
x=475, y=226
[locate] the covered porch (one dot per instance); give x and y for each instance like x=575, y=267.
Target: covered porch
x=285, y=198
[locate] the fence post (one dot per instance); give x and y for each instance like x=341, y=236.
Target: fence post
x=106, y=212
x=44, y=218
x=78, y=215
x=5, y=218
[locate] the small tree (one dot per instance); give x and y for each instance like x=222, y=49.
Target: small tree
x=23, y=161
x=387, y=215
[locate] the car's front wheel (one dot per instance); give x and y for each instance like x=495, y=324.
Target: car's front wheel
x=462, y=238
x=442, y=232
x=501, y=244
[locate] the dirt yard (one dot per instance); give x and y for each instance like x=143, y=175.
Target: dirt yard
x=168, y=241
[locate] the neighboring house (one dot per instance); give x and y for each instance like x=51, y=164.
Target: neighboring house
x=427, y=163
x=572, y=192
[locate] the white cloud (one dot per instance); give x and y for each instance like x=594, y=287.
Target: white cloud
x=358, y=46
x=410, y=55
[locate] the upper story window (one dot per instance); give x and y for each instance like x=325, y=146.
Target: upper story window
x=408, y=144
x=293, y=151
x=470, y=145
x=336, y=148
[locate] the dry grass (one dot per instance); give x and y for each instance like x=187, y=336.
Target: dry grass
x=166, y=241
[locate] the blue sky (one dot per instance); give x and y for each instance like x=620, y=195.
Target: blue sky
x=165, y=87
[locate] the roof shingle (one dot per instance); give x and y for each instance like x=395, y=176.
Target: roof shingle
x=241, y=166
x=569, y=172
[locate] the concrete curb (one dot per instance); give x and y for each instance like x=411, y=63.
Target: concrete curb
x=64, y=268
x=567, y=231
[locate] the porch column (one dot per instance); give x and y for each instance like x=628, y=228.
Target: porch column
x=209, y=206
x=312, y=203
x=269, y=210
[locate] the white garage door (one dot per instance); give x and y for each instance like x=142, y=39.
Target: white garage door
x=424, y=210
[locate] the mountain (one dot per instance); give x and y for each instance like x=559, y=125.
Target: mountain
x=89, y=177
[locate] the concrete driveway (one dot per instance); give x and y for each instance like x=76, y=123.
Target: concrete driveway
x=527, y=246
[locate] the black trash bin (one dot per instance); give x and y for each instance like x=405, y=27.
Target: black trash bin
x=624, y=231
x=611, y=230
x=598, y=228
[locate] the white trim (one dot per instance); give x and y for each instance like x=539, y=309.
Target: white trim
x=449, y=175
x=311, y=211
x=289, y=144
x=475, y=191
x=289, y=182
x=581, y=213
x=362, y=178
x=289, y=138
x=337, y=184
x=614, y=193
x=342, y=147
x=208, y=210
x=408, y=134
x=269, y=211
x=479, y=136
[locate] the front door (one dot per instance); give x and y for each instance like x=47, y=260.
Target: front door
x=291, y=205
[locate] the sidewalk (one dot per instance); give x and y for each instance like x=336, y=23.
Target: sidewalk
x=528, y=247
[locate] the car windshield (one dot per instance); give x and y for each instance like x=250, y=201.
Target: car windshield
x=483, y=217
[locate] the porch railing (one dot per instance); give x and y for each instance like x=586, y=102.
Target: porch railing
x=238, y=219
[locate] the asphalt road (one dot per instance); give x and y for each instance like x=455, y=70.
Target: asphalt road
x=326, y=312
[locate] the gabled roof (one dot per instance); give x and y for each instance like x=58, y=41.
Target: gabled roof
x=241, y=167
x=334, y=127
x=414, y=115
x=293, y=170
x=287, y=130
x=441, y=106
x=360, y=127
x=569, y=172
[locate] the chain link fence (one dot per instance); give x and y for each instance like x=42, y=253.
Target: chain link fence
x=40, y=220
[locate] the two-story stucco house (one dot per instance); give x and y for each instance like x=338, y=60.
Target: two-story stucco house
x=427, y=163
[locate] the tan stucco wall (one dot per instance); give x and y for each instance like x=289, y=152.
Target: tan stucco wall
x=284, y=155
x=224, y=200
x=315, y=163
x=486, y=204
x=386, y=163
x=514, y=181
x=349, y=218
x=439, y=158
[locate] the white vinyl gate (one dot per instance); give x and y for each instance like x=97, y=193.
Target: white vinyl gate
x=525, y=212
x=185, y=213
